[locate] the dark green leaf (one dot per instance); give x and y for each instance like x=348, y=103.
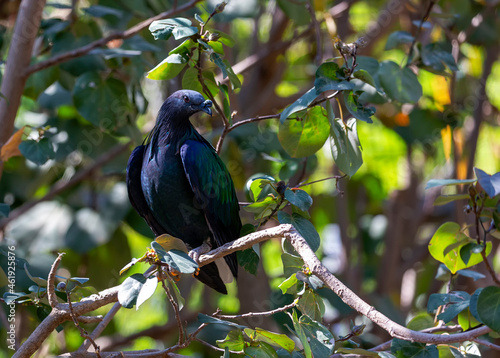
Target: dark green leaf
x=329, y=77
x=299, y=198
x=356, y=108
x=346, y=149
x=176, y=259
x=304, y=137
x=300, y=104
x=435, y=57
x=473, y=304
x=312, y=305
x=398, y=38
x=401, y=84
x=226, y=105
x=303, y=226
x=364, y=76
x=215, y=58
x=260, y=350
x=320, y=338
x=249, y=260
x=440, y=182
x=300, y=331
x=37, y=151
x=471, y=274
x=455, y=302
x=129, y=290
x=490, y=183
x=406, y=349
x=103, y=103
x=488, y=307
x=168, y=68
x=468, y=249
x=203, y=318
x=357, y=352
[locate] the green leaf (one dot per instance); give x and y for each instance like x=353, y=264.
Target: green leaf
x=129, y=290
x=234, y=341
x=473, y=305
x=401, y=84
x=226, y=105
x=274, y=339
x=38, y=280
x=258, y=185
x=440, y=182
x=397, y=38
x=4, y=210
x=178, y=297
x=168, y=68
x=420, y=321
x=303, y=226
x=304, y=137
x=180, y=27
x=37, y=151
x=488, y=307
x=449, y=234
x=457, y=302
x=215, y=58
x=291, y=264
x=288, y=283
x=490, y=183
x=176, y=259
x=260, y=350
x=249, y=260
x=300, y=331
x=262, y=208
x=468, y=249
x=299, y=105
x=329, y=77
x=471, y=274
x=446, y=199
x=437, y=58
x=356, y=108
x=168, y=242
x=312, y=280
x=320, y=338
x=346, y=149
x=364, y=76
x=102, y=102
x=299, y=198
x=405, y=349
x=146, y=291
x=312, y=305
x=203, y=318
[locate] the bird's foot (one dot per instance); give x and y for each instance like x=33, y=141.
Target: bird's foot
x=200, y=250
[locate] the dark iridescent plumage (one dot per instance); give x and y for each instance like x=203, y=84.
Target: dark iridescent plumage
x=180, y=186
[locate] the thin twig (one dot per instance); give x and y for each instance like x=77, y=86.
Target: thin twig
x=216, y=348
x=175, y=306
x=419, y=29
x=486, y=343
x=51, y=286
x=258, y=314
x=83, y=332
x=100, y=327
x=337, y=177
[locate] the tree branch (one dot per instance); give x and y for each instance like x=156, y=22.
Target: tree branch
x=14, y=76
x=102, y=42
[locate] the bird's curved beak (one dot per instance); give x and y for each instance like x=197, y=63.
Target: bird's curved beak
x=205, y=106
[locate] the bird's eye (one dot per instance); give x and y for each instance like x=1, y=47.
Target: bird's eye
x=185, y=98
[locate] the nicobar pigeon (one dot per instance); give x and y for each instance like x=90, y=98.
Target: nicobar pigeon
x=180, y=186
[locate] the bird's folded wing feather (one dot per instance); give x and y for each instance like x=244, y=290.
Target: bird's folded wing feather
x=214, y=191
x=135, y=192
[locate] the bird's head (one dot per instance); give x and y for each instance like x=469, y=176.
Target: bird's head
x=187, y=103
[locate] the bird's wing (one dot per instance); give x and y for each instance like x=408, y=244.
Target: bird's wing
x=135, y=192
x=214, y=191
